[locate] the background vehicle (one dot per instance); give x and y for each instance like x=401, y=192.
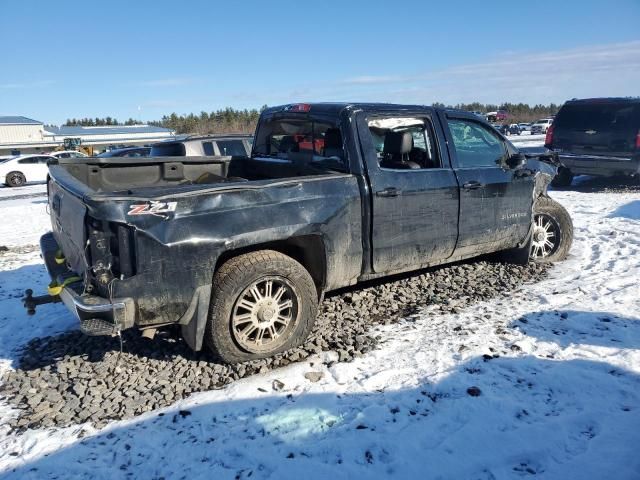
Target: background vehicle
x=500, y=128
x=314, y=208
x=513, y=129
x=498, y=116
x=541, y=126
x=68, y=154
x=74, y=144
x=505, y=129
x=19, y=170
x=209, y=145
x=127, y=152
x=525, y=127
x=596, y=136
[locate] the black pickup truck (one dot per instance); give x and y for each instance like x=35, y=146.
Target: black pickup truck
x=240, y=250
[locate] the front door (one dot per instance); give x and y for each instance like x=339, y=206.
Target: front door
x=414, y=191
x=495, y=201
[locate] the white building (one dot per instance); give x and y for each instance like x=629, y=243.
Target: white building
x=24, y=135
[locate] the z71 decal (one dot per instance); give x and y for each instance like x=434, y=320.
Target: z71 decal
x=153, y=208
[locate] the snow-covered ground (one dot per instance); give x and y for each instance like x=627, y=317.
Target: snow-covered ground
x=556, y=365
x=527, y=140
x=31, y=189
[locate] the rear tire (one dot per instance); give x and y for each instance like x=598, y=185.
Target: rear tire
x=262, y=303
x=563, y=178
x=552, y=233
x=15, y=179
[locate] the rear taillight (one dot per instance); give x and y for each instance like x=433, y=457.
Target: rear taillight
x=638, y=140
x=548, y=139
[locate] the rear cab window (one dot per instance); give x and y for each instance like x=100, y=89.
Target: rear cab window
x=303, y=139
x=169, y=149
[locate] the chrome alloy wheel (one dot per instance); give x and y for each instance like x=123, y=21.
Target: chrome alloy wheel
x=265, y=314
x=546, y=236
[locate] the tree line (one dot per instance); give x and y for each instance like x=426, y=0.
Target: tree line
x=98, y=122
x=227, y=120
x=231, y=120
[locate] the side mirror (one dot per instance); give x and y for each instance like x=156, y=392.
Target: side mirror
x=515, y=161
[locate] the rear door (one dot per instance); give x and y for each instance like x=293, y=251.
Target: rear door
x=597, y=127
x=41, y=169
x=414, y=210
x=495, y=202
x=33, y=168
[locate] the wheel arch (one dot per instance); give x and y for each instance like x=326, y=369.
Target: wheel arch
x=308, y=250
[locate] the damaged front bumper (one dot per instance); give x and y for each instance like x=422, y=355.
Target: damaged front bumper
x=97, y=315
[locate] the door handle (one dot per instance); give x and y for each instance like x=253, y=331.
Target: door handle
x=388, y=192
x=473, y=185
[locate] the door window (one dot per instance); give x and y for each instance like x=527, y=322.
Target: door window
x=231, y=147
x=476, y=145
x=403, y=143
x=207, y=147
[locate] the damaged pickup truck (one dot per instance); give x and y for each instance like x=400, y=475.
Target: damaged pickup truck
x=240, y=250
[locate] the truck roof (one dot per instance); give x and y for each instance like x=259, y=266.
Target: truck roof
x=335, y=108
x=605, y=100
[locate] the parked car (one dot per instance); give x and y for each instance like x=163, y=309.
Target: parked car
x=513, y=129
x=239, y=251
x=596, y=136
x=525, y=127
x=127, y=152
x=208, y=145
x=507, y=129
x=68, y=154
x=17, y=171
x=541, y=126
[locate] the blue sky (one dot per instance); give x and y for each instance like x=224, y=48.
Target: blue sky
x=143, y=59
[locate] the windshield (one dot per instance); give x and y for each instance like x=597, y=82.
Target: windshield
x=303, y=139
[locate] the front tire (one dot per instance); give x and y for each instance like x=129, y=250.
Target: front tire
x=552, y=232
x=15, y=179
x=262, y=303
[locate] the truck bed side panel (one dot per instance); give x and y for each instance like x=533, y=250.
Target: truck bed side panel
x=178, y=255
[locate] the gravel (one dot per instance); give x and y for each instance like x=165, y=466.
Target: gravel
x=71, y=378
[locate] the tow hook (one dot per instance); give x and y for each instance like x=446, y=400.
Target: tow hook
x=30, y=302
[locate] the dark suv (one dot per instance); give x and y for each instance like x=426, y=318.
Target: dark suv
x=596, y=136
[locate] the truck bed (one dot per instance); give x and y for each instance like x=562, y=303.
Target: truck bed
x=153, y=175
